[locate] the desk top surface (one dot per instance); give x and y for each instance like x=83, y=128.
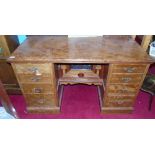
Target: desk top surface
x=61, y=49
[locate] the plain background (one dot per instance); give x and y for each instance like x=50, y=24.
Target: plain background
x=77, y=17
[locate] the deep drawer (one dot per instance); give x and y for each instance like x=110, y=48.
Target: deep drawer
x=38, y=88
x=41, y=100
x=127, y=68
x=126, y=78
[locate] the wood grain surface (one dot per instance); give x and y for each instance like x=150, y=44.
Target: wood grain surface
x=58, y=49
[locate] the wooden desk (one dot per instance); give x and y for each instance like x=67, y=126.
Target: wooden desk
x=123, y=63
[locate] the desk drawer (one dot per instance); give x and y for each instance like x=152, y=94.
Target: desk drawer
x=127, y=68
x=41, y=100
x=37, y=88
x=32, y=68
x=119, y=101
x=124, y=89
x=44, y=78
x=126, y=78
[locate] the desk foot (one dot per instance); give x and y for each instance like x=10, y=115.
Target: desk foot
x=45, y=110
x=117, y=110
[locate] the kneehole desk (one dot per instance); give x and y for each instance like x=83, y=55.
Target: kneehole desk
x=43, y=65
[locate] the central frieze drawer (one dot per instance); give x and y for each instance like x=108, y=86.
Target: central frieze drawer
x=124, y=89
x=31, y=68
x=126, y=78
x=41, y=100
x=44, y=78
x=37, y=88
x=128, y=68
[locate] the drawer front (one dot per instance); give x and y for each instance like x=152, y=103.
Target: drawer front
x=123, y=89
x=128, y=68
x=41, y=100
x=44, y=78
x=31, y=68
x=126, y=78
x=38, y=88
x=119, y=101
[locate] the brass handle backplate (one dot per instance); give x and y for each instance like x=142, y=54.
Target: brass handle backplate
x=129, y=69
x=41, y=101
x=35, y=70
x=126, y=79
x=37, y=90
x=35, y=79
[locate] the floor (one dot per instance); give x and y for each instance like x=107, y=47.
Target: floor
x=81, y=102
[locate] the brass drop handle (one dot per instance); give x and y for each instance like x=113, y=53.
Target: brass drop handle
x=120, y=102
x=129, y=69
x=35, y=70
x=37, y=73
x=123, y=101
x=126, y=79
x=37, y=90
x=35, y=79
x=123, y=90
x=41, y=101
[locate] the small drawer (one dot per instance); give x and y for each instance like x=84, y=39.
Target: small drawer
x=24, y=78
x=128, y=68
x=119, y=101
x=126, y=78
x=31, y=68
x=41, y=100
x=37, y=88
x=122, y=89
